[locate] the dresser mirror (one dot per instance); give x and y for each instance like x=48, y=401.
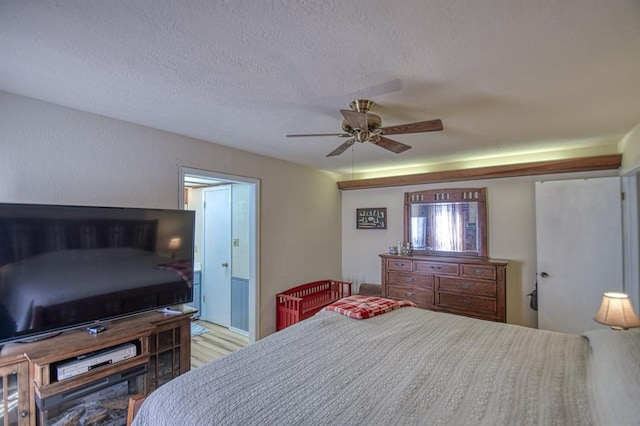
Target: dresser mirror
x=447, y=222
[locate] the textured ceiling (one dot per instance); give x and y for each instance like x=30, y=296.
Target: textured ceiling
x=505, y=76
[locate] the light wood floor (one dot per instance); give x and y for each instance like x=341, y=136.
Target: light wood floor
x=219, y=341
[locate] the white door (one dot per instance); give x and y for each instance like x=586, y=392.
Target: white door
x=579, y=250
x=216, y=276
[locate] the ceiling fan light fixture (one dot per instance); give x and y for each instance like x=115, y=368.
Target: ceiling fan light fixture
x=362, y=136
x=374, y=122
x=361, y=126
x=361, y=105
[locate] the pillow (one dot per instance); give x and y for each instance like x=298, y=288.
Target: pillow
x=614, y=375
x=362, y=307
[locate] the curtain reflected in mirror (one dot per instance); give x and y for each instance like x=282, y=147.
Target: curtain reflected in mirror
x=444, y=227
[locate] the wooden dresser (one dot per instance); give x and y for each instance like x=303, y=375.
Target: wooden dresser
x=474, y=287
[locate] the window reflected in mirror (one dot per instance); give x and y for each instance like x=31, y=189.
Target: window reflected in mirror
x=445, y=227
x=450, y=222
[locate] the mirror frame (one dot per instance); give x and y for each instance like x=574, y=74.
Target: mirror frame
x=454, y=195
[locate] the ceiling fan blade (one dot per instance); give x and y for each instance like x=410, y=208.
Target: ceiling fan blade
x=342, y=148
x=357, y=120
x=390, y=144
x=342, y=135
x=421, y=126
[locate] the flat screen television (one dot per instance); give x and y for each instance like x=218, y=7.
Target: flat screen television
x=67, y=266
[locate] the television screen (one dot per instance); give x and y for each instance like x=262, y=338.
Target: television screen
x=66, y=266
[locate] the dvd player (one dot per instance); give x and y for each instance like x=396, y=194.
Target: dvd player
x=82, y=364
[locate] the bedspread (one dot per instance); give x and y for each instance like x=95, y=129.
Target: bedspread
x=408, y=366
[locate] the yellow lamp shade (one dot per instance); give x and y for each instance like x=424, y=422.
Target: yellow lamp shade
x=617, y=312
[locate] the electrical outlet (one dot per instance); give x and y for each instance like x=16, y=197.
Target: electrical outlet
x=236, y=242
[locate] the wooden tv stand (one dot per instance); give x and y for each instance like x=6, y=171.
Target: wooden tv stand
x=28, y=371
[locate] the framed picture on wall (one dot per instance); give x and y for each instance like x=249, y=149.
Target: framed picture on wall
x=371, y=218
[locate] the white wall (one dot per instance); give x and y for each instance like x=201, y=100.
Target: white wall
x=195, y=204
x=511, y=233
x=630, y=147
x=240, y=230
x=53, y=154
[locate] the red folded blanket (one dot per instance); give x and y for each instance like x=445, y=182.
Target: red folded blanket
x=362, y=307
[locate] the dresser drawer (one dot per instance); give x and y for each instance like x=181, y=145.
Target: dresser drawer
x=467, y=303
x=467, y=286
x=399, y=265
x=410, y=279
x=474, y=287
x=421, y=297
x=437, y=268
x=478, y=271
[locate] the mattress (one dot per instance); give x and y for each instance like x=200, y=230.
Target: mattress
x=409, y=366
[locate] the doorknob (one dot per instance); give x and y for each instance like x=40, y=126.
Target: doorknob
x=225, y=264
x=544, y=275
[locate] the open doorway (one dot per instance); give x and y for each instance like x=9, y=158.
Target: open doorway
x=226, y=251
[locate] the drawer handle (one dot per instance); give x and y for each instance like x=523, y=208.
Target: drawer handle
x=478, y=271
x=407, y=294
x=409, y=279
x=437, y=268
x=398, y=264
x=465, y=301
x=465, y=284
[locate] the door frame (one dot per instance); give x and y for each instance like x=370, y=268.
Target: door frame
x=631, y=235
x=254, y=235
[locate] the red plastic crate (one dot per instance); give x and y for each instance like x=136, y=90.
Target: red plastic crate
x=304, y=301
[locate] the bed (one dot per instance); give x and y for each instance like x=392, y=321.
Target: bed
x=55, y=271
x=97, y=276
x=410, y=366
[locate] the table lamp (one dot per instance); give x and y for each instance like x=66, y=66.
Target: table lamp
x=174, y=244
x=617, y=312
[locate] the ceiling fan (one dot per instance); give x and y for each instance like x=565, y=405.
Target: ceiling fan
x=360, y=125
